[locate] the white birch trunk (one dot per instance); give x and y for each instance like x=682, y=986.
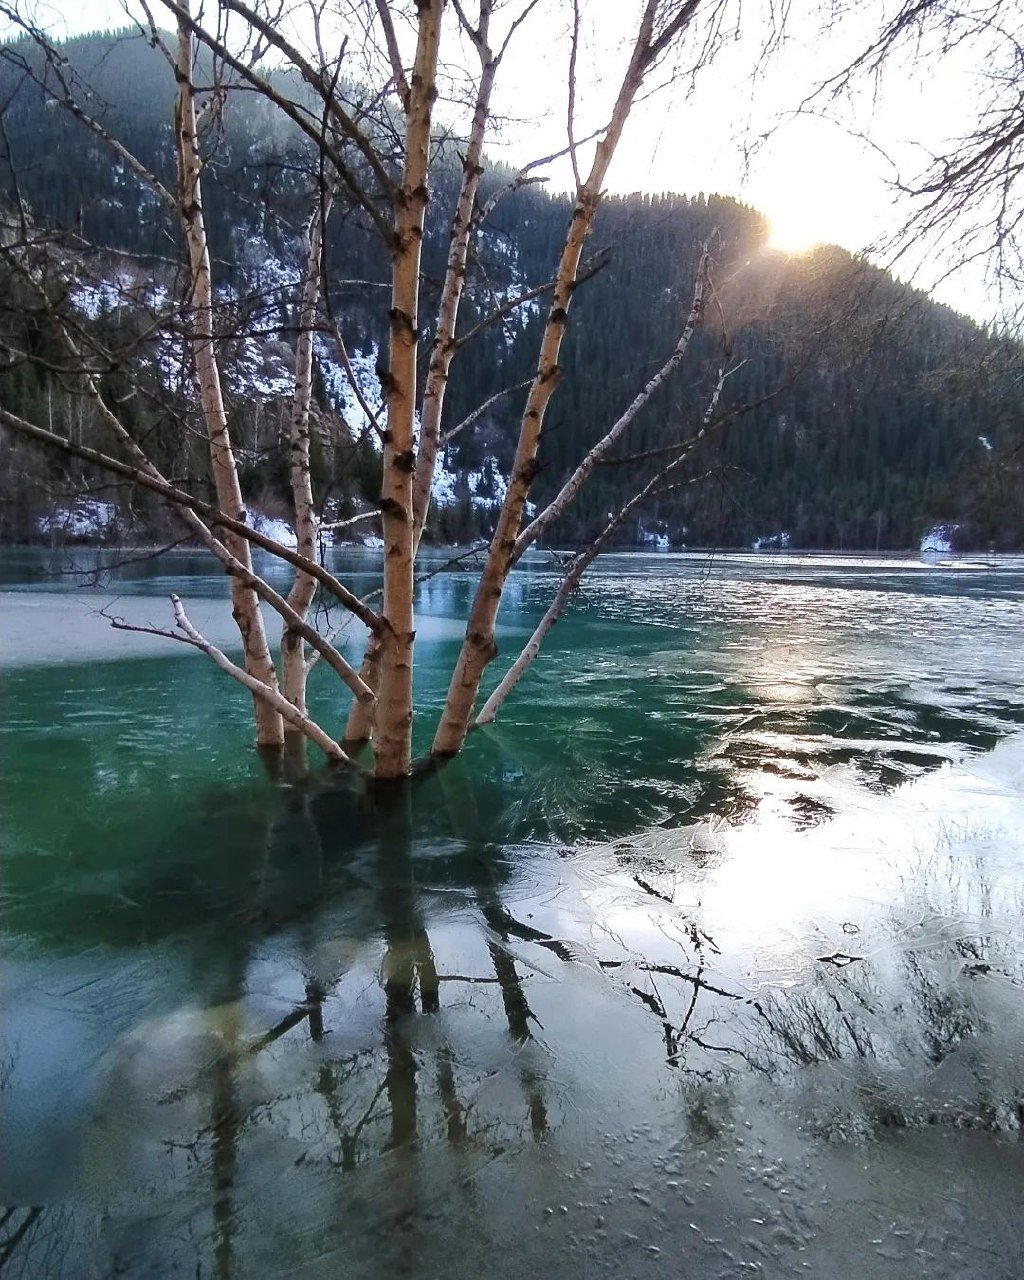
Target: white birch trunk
x=455, y=278
x=244, y=602
x=393, y=726
x=478, y=648
x=294, y=670
x=297, y=720
x=362, y=714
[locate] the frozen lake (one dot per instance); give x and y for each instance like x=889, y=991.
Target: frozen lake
x=706, y=959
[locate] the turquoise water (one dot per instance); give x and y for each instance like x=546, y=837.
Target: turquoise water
x=705, y=957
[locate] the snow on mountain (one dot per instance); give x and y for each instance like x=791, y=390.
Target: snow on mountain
x=514, y=324
x=495, y=244
x=261, y=367
x=444, y=487
x=84, y=518
x=94, y=297
x=494, y=296
x=772, y=542
x=271, y=527
x=265, y=272
x=169, y=356
x=258, y=363
x=339, y=387
x=485, y=488
x=938, y=541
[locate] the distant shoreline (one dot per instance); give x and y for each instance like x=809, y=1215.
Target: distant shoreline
x=770, y=553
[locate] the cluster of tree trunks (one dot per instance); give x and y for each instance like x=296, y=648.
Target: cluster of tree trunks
x=373, y=159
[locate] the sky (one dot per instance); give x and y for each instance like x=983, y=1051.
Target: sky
x=736, y=127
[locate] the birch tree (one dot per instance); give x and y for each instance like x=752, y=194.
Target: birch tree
x=376, y=160
x=660, y=25
x=189, y=204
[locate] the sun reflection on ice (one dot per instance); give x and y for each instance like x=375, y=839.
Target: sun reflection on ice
x=779, y=902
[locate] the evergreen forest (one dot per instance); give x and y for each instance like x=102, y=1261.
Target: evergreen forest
x=859, y=413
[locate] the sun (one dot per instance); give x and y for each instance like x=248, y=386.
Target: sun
x=793, y=230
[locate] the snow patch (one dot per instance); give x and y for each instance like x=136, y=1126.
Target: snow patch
x=339, y=387
x=94, y=298
x=169, y=355
x=772, y=542
x=506, y=257
x=485, y=488
x=271, y=527
x=259, y=368
x=444, y=486
x=264, y=271
x=84, y=518
x=938, y=541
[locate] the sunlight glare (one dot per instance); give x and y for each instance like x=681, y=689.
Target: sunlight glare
x=793, y=230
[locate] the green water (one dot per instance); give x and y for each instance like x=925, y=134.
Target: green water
x=581, y=1001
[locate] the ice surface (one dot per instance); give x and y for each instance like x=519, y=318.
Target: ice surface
x=717, y=993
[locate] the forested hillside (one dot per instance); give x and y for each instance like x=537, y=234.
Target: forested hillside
x=857, y=415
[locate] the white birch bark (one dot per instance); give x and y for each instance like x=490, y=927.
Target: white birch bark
x=585, y=558
x=361, y=714
x=296, y=719
x=455, y=278
x=393, y=727
x=478, y=648
x=294, y=671
x=244, y=602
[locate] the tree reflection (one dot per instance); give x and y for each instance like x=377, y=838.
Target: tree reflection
x=414, y=1051
x=36, y=1240
x=922, y=1031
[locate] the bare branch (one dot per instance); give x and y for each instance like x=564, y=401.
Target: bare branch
x=306, y=122
x=481, y=409
x=501, y=312
x=578, y=567
x=478, y=647
x=575, y=482
x=372, y=415
x=570, y=122
x=212, y=514
x=397, y=70
x=69, y=103
x=335, y=525
x=302, y=723
x=315, y=80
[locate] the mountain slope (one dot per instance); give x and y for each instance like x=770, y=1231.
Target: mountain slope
x=863, y=413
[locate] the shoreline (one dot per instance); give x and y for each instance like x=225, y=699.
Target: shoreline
x=143, y=551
